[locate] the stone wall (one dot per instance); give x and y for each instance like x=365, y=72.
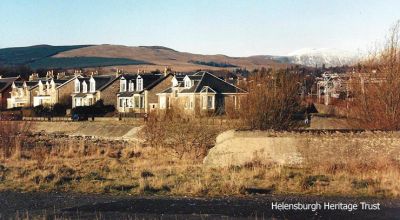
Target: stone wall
x=109, y=94
x=64, y=93
x=290, y=148
x=152, y=94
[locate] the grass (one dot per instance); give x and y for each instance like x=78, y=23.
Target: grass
x=118, y=167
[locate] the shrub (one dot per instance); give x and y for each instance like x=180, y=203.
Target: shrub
x=98, y=109
x=272, y=101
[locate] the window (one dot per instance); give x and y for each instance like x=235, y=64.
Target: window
x=235, y=101
x=136, y=101
x=92, y=85
x=141, y=102
x=77, y=85
x=131, y=86
x=139, y=86
x=122, y=85
x=210, y=102
x=84, y=87
x=121, y=101
x=163, y=102
x=191, y=102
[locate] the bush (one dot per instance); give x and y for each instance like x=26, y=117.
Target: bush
x=186, y=139
x=272, y=101
x=98, y=109
x=41, y=111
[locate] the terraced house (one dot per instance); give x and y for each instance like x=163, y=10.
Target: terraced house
x=21, y=94
x=88, y=90
x=201, y=93
x=54, y=90
x=138, y=92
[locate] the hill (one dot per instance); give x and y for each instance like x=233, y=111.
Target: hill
x=129, y=58
x=160, y=57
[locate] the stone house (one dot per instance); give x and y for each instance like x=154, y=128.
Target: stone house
x=5, y=89
x=138, y=92
x=88, y=90
x=21, y=94
x=200, y=94
x=54, y=90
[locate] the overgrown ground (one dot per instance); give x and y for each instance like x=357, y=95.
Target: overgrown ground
x=59, y=163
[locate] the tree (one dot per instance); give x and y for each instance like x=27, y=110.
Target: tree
x=376, y=90
x=272, y=101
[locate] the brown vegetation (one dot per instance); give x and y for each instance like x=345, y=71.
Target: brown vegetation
x=61, y=163
x=272, y=100
x=377, y=97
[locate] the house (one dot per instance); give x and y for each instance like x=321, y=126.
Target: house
x=88, y=90
x=21, y=94
x=5, y=89
x=54, y=90
x=138, y=92
x=201, y=93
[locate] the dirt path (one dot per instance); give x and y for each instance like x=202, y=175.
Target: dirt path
x=73, y=206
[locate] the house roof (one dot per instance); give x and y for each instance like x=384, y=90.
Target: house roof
x=102, y=81
x=149, y=81
x=205, y=79
x=6, y=82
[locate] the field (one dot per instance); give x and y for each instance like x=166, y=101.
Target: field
x=54, y=162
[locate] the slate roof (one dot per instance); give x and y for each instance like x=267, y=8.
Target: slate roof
x=6, y=82
x=149, y=81
x=102, y=81
x=204, y=79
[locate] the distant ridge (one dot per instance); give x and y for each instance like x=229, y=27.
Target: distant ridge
x=129, y=58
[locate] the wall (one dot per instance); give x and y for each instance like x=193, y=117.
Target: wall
x=152, y=94
x=109, y=94
x=290, y=148
x=64, y=93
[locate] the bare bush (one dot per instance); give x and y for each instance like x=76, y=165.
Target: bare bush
x=272, y=101
x=186, y=137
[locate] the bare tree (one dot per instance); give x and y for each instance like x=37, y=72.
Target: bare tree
x=272, y=100
x=377, y=89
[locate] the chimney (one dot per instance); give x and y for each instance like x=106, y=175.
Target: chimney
x=165, y=71
x=33, y=76
x=60, y=75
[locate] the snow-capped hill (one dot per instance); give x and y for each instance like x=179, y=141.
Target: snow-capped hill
x=319, y=57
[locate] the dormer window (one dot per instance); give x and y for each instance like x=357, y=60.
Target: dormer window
x=92, y=84
x=40, y=86
x=188, y=82
x=122, y=85
x=131, y=86
x=84, y=87
x=174, y=82
x=53, y=84
x=139, y=86
x=77, y=86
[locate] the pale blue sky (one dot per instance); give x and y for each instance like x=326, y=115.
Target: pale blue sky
x=231, y=27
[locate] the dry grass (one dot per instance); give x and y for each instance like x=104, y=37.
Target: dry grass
x=59, y=163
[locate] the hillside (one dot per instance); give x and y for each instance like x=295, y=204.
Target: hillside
x=147, y=58
x=162, y=56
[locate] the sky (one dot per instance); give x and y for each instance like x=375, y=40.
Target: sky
x=230, y=27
